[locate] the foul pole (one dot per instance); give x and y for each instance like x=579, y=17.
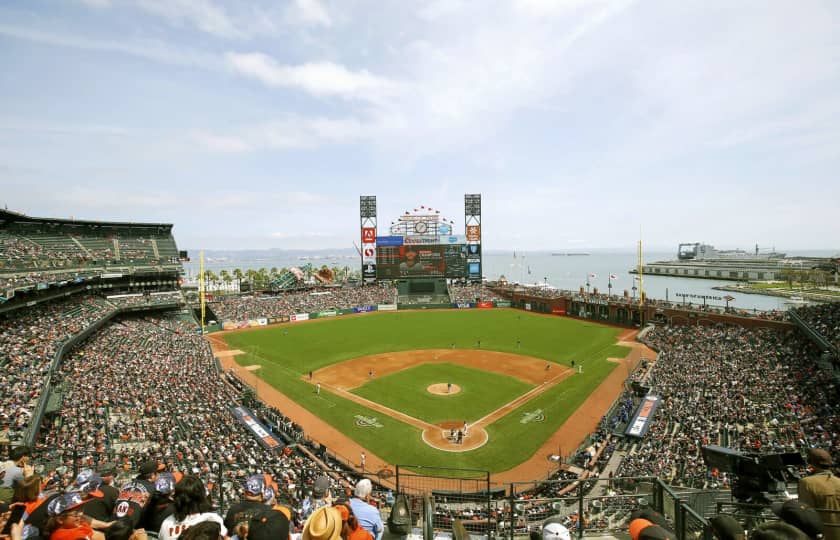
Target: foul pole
x=641, y=288
x=201, y=287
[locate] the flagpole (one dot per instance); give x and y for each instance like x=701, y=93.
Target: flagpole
x=609, y=286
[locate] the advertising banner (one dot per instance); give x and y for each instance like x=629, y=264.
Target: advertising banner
x=389, y=241
x=327, y=314
x=474, y=269
x=368, y=235
x=454, y=239
x=473, y=233
x=463, y=305
x=348, y=311
x=558, y=311
x=527, y=307
x=368, y=253
x=484, y=305
x=426, y=239
x=247, y=419
x=502, y=303
x=641, y=421
x=297, y=317
x=262, y=321
x=363, y=309
x=386, y=307
x=275, y=320
x=473, y=250
x=369, y=271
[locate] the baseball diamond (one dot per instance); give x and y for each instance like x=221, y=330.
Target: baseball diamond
x=424, y=391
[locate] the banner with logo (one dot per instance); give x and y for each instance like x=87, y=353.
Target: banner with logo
x=363, y=309
x=247, y=419
x=275, y=320
x=426, y=239
x=463, y=305
x=473, y=233
x=454, y=239
x=262, y=321
x=386, y=307
x=322, y=314
x=297, y=317
x=502, y=303
x=643, y=418
x=389, y=241
x=484, y=305
x=368, y=253
x=558, y=311
x=369, y=271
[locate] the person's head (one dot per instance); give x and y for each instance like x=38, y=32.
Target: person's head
x=206, y=530
x=20, y=455
x=553, y=530
x=190, y=497
x=28, y=489
x=148, y=470
x=411, y=255
x=321, y=487
x=348, y=520
x=801, y=516
x=324, y=524
x=727, y=527
x=776, y=530
x=363, y=489
x=819, y=459
x=65, y=512
x=259, y=487
x=121, y=529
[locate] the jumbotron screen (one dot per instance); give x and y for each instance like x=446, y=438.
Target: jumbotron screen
x=421, y=260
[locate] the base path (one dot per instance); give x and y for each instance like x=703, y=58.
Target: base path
x=343, y=377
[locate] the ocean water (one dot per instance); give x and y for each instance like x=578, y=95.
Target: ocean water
x=563, y=272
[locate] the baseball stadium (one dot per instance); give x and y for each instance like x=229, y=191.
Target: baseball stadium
x=453, y=406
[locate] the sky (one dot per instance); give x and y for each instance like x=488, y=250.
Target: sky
x=583, y=124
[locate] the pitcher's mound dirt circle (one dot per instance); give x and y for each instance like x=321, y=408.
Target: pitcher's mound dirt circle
x=443, y=389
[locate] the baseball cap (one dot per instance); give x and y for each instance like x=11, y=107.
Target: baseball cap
x=165, y=483
x=727, y=527
x=643, y=529
x=801, y=516
x=260, y=484
x=651, y=515
x=268, y=525
x=555, y=531
x=819, y=457
x=323, y=524
x=151, y=466
x=87, y=483
x=65, y=502
x=320, y=487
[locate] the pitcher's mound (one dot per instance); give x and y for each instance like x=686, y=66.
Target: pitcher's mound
x=443, y=389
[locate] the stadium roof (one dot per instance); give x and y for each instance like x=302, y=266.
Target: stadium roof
x=9, y=216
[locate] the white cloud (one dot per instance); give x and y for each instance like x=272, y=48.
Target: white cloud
x=97, y=3
x=309, y=12
x=220, y=144
x=203, y=14
x=317, y=78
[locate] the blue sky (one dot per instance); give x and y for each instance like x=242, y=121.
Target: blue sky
x=257, y=124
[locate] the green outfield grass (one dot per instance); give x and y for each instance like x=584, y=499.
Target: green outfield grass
x=481, y=392
x=288, y=352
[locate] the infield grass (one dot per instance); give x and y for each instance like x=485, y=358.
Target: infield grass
x=286, y=353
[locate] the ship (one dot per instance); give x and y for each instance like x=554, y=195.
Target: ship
x=698, y=251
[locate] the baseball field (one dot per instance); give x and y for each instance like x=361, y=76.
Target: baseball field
x=401, y=384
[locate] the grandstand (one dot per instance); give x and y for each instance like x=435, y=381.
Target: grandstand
x=105, y=368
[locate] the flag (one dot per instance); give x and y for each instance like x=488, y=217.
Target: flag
x=613, y=276
x=593, y=276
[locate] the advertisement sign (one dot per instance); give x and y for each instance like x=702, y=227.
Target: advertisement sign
x=275, y=320
x=369, y=253
x=463, y=305
x=474, y=250
x=641, y=421
x=297, y=317
x=558, y=311
x=368, y=235
x=474, y=269
x=389, y=241
x=262, y=321
x=247, y=419
x=386, y=307
x=527, y=307
x=426, y=239
x=473, y=233
x=369, y=271
x=454, y=239
x=364, y=309
x=327, y=314
x=502, y=303
x=484, y=305
x=444, y=229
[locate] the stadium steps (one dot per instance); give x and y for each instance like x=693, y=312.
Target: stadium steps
x=83, y=248
x=155, y=249
x=116, y=243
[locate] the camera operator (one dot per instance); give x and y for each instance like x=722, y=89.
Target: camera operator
x=821, y=490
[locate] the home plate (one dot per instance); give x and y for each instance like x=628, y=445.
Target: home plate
x=228, y=354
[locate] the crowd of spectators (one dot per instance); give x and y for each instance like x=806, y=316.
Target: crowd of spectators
x=746, y=389
x=824, y=319
x=146, y=299
x=147, y=388
x=473, y=292
x=242, y=308
x=28, y=344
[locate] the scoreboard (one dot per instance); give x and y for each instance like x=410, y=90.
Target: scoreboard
x=420, y=260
